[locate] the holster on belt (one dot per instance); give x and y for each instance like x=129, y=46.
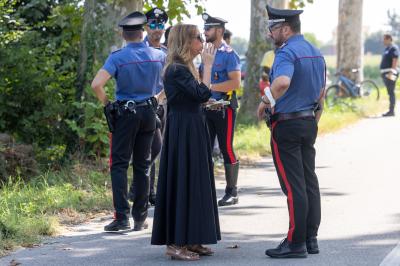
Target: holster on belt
x=267, y=117
x=111, y=111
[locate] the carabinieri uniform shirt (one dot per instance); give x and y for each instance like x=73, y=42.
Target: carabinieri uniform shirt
x=137, y=70
x=296, y=59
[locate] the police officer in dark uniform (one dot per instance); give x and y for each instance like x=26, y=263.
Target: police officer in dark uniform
x=295, y=100
x=225, y=78
x=137, y=71
x=156, y=19
x=389, y=70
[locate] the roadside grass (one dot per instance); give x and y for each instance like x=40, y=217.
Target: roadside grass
x=252, y=141
x=32, y=210
x=369, y=60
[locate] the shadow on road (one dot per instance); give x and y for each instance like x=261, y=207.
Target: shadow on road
x=235, y=249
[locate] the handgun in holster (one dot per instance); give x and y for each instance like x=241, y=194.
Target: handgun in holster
x=267, y=118
x=110, y=112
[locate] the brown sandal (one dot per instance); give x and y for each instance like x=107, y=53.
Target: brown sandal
x=181, y=253
x=201, y=250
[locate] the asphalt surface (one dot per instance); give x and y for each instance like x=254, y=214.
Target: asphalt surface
x=359, y=174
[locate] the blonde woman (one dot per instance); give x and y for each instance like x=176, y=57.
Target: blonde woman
x=186, y=213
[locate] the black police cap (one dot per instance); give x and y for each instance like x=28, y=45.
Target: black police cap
x=276, y=15
x=134, y=21
x=210, y=21
x=157, y=14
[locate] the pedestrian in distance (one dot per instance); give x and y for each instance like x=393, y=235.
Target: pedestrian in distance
x=389, y=70
x=131, y=118
x=186, y=212
x=294, y=104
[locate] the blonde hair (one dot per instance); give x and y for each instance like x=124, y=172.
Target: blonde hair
x=179, y=43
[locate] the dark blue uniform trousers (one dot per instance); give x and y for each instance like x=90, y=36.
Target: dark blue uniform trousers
x=390, y=87
x=133, y=136
x=222, y=125
x=292, y=144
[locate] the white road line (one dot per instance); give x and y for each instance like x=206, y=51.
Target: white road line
x=393, y=258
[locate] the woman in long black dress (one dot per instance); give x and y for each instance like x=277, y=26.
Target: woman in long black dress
x=186, y=213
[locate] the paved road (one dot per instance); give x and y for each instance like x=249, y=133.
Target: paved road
x=359, y=173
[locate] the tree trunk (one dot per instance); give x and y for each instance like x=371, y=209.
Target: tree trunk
x=89, y=7
x=258, y=45
x=349, y=41
x=117, y=11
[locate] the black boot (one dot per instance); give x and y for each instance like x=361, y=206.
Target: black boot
x=288, y=250
x=139, y=226
x=152, y=198
x=389, y=113
x=231, y=176
x=117, y=225
x=312, y=245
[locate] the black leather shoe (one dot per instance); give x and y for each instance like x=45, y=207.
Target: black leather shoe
x=288, y=250
x=228, y=200
x=117, y=225
x=390, y=113
x=139, y=226
x=312, y=245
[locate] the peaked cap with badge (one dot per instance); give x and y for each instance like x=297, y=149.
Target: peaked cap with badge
x=157, y=14
x=210, y=21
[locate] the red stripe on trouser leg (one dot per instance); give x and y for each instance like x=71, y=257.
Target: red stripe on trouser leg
x=229, y=135
x=282, y=173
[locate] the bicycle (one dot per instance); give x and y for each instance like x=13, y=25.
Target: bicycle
x=346, y=88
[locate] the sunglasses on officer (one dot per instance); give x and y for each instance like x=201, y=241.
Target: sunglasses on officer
x=155, y=25
x=207, y=28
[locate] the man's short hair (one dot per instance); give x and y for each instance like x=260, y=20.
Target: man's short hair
x=227, y=34
x=295, y=26
x=131, y=34
x=387, y=36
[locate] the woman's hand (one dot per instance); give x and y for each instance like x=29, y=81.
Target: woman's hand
x=208, y=54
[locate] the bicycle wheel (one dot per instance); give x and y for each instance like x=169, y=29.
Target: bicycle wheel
x=368, y=88
x=331, y=95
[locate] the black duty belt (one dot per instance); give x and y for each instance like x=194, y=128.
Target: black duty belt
x=289, y=116
x=131, y=105
x=126, y=103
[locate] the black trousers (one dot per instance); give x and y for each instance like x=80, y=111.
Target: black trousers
x=222, y=125
x=390, y=86
x=292, y=143
x=133, y=136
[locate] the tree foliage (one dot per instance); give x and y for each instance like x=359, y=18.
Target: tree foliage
x=50, y=51
x=394, y=23
x=374, y=43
